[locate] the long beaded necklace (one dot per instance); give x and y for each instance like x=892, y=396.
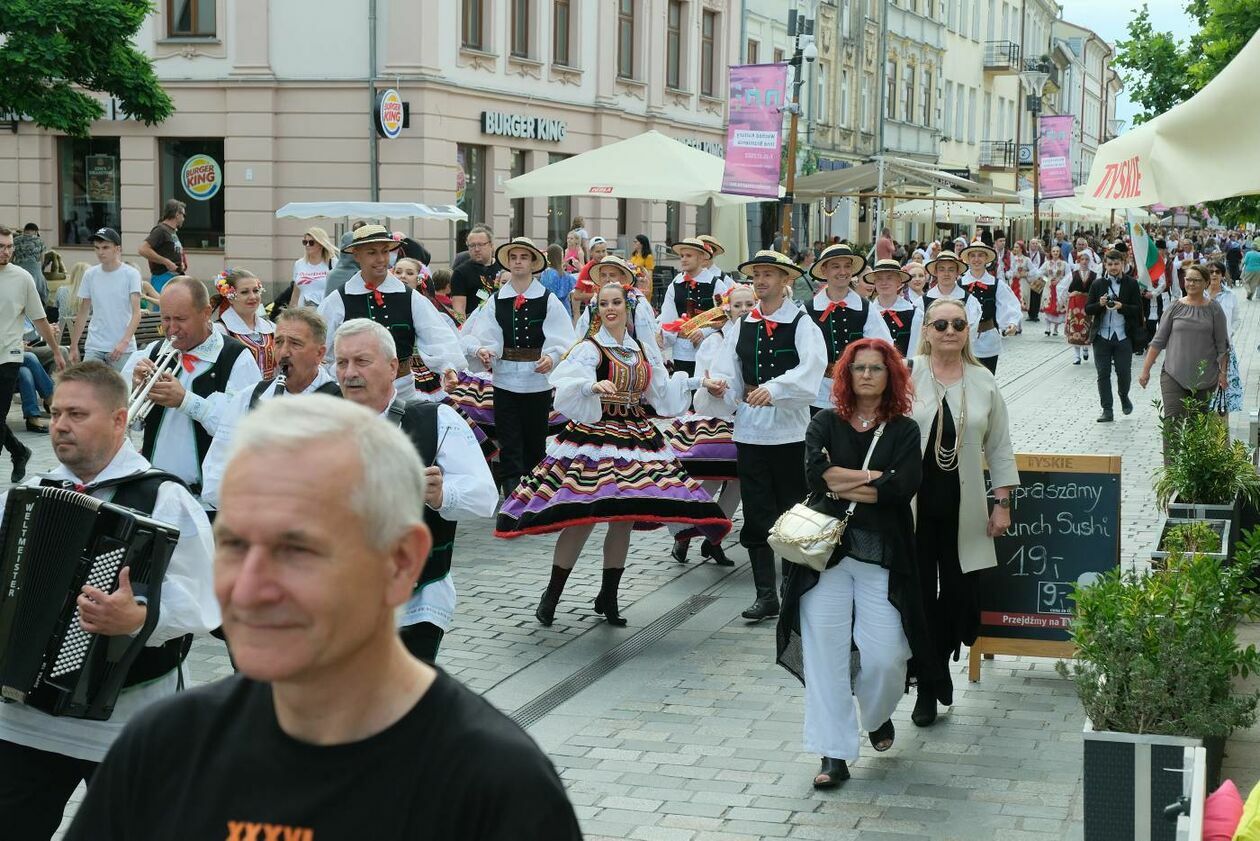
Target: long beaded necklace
x=947, y=457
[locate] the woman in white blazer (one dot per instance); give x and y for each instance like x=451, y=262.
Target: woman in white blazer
x=954, y=528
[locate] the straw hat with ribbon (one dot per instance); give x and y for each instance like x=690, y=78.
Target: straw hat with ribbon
x=766, y=257
x=946, y=256
x=711, y=241
x=370, y=234
x=539, y=260
x=695, y=244
x=977, y=247
x=888, y=266
x=839, y=251
x=628, y=275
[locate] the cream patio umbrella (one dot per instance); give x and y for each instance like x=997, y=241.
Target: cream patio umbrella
x=1197, y=151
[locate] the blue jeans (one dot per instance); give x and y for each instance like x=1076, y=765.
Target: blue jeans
x=33, y=383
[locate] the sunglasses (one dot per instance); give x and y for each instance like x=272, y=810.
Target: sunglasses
x=942, y=324
x=308, y=242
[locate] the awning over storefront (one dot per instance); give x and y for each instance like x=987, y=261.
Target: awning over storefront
x=647, y=166
x=369, y=210
x=899, y=174
x=1197, y=151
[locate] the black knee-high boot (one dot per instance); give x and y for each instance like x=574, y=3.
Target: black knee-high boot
x=546, y=612
x=606, y=601
x=761, y=559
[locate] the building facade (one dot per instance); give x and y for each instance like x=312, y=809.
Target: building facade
x=275, y=103
x=1092, y=94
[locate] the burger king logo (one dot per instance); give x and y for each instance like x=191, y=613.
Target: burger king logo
x=389, y=113
x=202, y=177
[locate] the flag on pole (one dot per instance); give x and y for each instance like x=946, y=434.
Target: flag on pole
x=1145, y=256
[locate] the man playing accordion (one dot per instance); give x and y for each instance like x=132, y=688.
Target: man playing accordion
x=43, y=757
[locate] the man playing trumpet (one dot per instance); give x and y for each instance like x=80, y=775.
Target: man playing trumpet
x=208, y=368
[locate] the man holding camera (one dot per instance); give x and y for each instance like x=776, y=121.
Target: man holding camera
x=1114, y=307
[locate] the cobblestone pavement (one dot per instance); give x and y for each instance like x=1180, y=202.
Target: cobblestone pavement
x=689, y=732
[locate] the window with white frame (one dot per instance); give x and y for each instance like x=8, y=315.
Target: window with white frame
x=947, y=123
x=844, y=97
x=560, y=32
x=927, y=118
x=520, y=28
x=907, y=100
x=890, y=91
x=708, y=53
x=673, y=44
x=971, y=115
x=625, y=39
x=823, y=107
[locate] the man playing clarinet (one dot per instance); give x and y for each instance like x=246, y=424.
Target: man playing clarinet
x=43, y=758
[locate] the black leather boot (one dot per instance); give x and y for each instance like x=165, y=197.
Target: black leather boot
x=606, y=601
x=546, y=610
x=713, y=551
x=679, y=552
x=761, y=559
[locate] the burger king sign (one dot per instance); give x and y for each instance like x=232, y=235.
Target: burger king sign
x=390, y=114
x=202, y=177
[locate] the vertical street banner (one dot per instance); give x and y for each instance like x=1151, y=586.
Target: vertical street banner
x=754, y=135
x=1054, y=156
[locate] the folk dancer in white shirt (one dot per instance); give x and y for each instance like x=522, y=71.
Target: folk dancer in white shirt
x=43, y=758
x=521, y=333
x=457, y=482
x=841, y=314
x=767, y=376
x=187, y=405
x=374, y=292
x=999, y=308
x=300, y=339
x=945, y=271
x=693, y=291
x=902, y=319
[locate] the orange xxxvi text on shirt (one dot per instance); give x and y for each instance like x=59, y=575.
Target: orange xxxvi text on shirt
x=249, y=831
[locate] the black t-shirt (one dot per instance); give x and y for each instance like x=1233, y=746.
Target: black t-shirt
x=470, y=277
x=213, y=763
x=164, y=242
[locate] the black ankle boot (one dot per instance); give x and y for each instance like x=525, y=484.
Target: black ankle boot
x=714, y=552
x=679, y=552
x=546, y=610
x=606, y=601
x=924, y=714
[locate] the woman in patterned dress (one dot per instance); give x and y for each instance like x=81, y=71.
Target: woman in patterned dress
x=238, y=299
x=610, y=464
x=1077, y=327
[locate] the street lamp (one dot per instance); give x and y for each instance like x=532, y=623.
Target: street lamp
x=1034, y=82
x=1115, y=127
x=801, y=29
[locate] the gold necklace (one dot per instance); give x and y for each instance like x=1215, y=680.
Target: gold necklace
x=947, y=457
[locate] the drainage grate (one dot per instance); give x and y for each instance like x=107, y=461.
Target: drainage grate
x=533, y=711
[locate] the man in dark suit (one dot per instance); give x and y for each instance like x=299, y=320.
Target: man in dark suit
x=1114, y=307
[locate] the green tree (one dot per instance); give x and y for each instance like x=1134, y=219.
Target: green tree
x=55, y=50
x=1161, y=71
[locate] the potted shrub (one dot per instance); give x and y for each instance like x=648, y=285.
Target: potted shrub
x=1178, y=536
x=1208, y=475
x=1157, y=657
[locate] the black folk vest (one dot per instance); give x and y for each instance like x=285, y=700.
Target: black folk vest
x=139, y=492
x=522, y=328
x=900, y=332
x=690, y=302
x=213, y=379
x=842, y=326
x=763, y=357
x=329, y=388
x=987, y=298
x=394, y=314
x=418, y=419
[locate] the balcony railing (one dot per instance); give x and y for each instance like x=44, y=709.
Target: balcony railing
x=997, y=154
x=1002, y=57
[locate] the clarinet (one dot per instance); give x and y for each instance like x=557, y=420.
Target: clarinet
x=278, y=389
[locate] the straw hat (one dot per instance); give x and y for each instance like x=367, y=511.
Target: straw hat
x=368, y=234
x=839, y=251
x=695, y=244
x=888, y=266
x=712, y=242
x=977, y=247
x=619, y=264
x=521, y=243
x=766, y=257
x=946, y=256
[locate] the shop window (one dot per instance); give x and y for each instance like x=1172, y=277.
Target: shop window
x=673, y=221
x=704, y=217
x=623, y=219
x=191, y=170
x=470, y=188
x=517, y=228
x=89, y=191
x=190, y=18
x=559, y=210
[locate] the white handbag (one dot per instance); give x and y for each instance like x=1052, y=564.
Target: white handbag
x=807, y=537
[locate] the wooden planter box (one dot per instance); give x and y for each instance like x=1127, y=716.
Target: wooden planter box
x=1206, y=511
x=1221, y=527
x=1130, y=778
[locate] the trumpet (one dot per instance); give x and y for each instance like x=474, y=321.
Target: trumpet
x=139, y=406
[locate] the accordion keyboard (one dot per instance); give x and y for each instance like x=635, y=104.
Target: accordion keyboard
x=74, y=645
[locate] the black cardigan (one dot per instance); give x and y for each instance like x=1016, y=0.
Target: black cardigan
x=897, y=455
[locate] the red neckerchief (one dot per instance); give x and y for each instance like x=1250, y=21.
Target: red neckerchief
x=832, y=307
x=376, y=294
x=690, y=281
x=984, y=287
x=188, y=361
x=519, y=302
x=770, y=325
x=896, y=318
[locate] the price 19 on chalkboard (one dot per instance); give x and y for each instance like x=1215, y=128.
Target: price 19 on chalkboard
x=1065, y=531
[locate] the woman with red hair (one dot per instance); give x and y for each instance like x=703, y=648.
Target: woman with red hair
x=869, y=596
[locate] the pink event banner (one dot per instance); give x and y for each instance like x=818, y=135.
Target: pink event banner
x=754, y=137
x=1054, y=149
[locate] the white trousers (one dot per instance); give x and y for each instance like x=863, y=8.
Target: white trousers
x=850, y=602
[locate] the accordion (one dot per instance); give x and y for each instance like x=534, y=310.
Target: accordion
x=52, y=543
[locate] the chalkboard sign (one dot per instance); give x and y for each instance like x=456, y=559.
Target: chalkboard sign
x=1065, y=518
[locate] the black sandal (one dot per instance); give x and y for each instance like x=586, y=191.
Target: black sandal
x=884, y=735
x=833, y=772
